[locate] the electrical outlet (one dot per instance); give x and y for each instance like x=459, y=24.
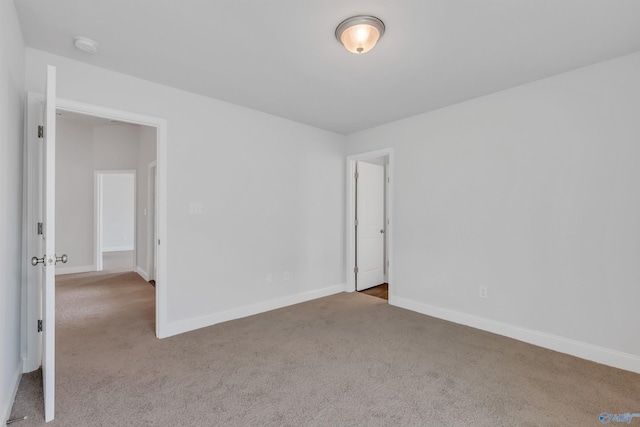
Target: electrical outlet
x=483, y=291
x=195, y=208
x=287, y=275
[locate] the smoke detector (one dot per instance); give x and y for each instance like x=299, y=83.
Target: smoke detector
x=86, y=45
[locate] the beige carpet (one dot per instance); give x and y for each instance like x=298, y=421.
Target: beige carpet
x=346, y=360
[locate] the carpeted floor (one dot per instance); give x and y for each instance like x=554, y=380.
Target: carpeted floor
x=347, y=360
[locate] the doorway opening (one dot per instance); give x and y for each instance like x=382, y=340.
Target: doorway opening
x=151, y=220
x=103, y=222
x=80, y=245
x=39, y=233
x=369, y=223
x=115, y=222
x=103, y=218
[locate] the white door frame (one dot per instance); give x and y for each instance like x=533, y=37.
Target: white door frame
x=97, y=216
x=30, y=310
x=161, y=214
x=351, y=214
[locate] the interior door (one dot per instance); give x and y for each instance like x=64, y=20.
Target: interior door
x=48, y=290
x=370, y=225
x=34, y=186
x=152, y=224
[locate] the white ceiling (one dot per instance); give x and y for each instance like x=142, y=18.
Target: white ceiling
x=281, y=56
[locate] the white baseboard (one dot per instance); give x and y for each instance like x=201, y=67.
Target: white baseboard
x=78, y=269
x=187, y=325
x=142, y=273
x=118, y=248
x=5, y=407
x=594, y=353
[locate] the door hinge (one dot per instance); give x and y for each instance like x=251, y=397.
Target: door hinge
x=39, y=325
x=40, y=131
x=40, y=228
x=355, y=175
x=355, y=269
x=355, y=222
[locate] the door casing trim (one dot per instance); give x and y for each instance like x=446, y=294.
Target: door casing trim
x=31, y=353
x=161, y=157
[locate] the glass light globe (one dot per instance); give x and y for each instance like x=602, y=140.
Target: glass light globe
x=360, y=33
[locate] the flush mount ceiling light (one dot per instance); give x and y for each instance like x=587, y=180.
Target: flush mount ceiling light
x=86, y=45
x=359, y=34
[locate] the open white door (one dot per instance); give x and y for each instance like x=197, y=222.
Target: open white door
x=152, y=225
x=33, y=188
x=48, y=290
x=370, y=225
x=40, y=232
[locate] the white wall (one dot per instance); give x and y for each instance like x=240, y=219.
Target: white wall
x=534, y=193
x=82, y=149
x=118, y=211
x=11, y=134
x=116, y=147
x=271, y=190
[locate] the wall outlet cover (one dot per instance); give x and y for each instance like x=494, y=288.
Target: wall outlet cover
x=195, y=208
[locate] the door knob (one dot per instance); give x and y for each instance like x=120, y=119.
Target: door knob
x=35, y=260
x=381, y=231
x=63, y=259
